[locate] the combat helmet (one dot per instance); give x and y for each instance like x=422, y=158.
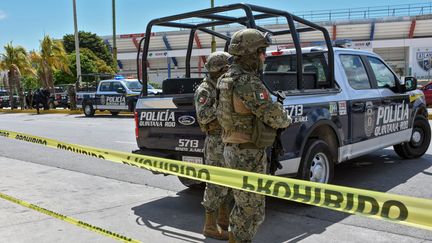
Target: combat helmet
x=217, y=61
x=248, y=42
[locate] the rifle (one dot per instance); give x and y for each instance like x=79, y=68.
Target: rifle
x=277, y=148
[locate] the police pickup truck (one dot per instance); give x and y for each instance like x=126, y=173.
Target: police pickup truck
x=344, y=103
x=113, y=95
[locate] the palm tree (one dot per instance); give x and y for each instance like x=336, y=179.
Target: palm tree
x=51, y=57
x=16, y=62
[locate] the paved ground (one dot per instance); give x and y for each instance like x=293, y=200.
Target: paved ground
x=155, y=208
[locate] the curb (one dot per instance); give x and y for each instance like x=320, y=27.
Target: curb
x=69, y=112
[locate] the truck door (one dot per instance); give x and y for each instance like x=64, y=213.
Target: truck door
x=108, y=98
x=119, y=99
x=393, y=116
x=363, y=103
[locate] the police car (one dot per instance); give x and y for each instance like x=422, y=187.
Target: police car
x=344, y=103
x=113, y=95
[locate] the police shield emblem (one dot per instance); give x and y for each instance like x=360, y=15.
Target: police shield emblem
x=424, y=59
x=102, y=100
x=369, y=119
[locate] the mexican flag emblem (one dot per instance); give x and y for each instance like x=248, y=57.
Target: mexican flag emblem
x=202, y=100
x=262, y=95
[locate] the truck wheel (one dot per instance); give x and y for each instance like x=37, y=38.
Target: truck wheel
x=193, y=184
x=88, y=110
x=114, y=113
x=420, y=140
x=317, y=162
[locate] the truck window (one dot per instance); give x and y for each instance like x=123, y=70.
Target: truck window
x=116, y=85
x=104, y=87
x=312, y=63
x=355, y=71
x=135, y=85
x=384, y=77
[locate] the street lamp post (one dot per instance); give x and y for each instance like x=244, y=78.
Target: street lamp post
x=114, y=34
x=213, y=41
x=77, y=51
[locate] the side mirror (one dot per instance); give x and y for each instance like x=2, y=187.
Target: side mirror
x=410, y=83
x=121, y=90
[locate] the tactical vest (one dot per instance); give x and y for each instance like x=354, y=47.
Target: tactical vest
x=234, y=117
x=212, y=127
x=239, y=124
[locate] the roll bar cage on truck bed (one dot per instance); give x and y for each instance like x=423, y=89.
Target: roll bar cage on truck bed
x=212, y=17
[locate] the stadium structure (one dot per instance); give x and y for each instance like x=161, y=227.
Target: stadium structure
x=401, y=34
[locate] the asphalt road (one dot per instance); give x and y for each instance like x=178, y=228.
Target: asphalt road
x=285, y=221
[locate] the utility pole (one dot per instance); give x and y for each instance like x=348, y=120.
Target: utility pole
x=114, y=34
x=213, y=41
x=77, y=51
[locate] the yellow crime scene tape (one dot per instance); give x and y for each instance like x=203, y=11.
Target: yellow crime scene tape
x=405, y=210
x=68, y=219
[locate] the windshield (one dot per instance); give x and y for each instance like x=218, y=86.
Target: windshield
x=134, y=85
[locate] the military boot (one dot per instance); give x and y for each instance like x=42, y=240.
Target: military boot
x=223, y=217
x=211, y=229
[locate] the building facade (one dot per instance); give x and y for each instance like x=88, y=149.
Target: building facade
x=401, y=34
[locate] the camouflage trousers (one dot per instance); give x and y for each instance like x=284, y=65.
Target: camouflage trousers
x=249, y=208
x=215, y=195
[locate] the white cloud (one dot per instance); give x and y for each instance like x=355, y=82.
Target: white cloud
x=2, y=15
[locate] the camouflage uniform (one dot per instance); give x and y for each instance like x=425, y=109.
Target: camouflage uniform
x=216, y=198
x=249, y=120
x=205, y=103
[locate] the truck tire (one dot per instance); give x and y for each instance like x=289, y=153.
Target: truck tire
x=420, y=140
x=88, y=110
x=193, y=184
x=114, y=113
x=317, y=162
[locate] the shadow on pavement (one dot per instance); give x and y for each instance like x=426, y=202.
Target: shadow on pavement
x=379, y=171
x=183, y=212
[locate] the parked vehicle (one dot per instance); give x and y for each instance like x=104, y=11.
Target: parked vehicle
x=5, y=99
x=427, y=90
x=59, y=99
x=113, y=95
x=344, y=103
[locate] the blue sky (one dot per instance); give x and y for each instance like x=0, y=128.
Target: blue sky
x=26, y=21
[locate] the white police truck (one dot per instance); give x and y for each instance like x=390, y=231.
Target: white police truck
x=344, y=103
x=113, y=95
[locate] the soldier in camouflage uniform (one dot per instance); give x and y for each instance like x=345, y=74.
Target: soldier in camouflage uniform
x=216, y=198
x=249, y=120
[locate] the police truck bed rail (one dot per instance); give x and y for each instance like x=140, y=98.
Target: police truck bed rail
x=212, y=17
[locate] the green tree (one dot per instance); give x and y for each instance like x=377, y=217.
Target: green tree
x=90, y=63
x=51, y=57
x=92, y=42
x=16, y=62
x=30, y=82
